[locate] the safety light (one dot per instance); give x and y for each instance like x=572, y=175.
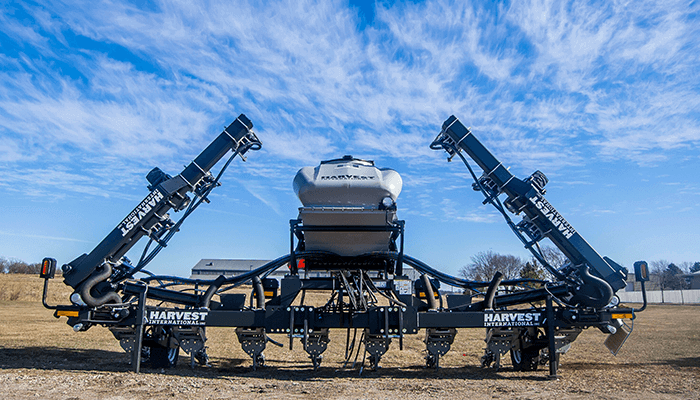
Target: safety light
x=421, y=291
x=270, y=286
x=301, y=264
x=641, y=271
x=387, y=202
x=48, y=268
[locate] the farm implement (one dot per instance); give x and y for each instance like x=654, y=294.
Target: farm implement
x=348, y=244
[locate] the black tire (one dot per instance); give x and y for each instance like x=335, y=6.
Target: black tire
x=527, y=356
x=527, y=360
x=164, y=357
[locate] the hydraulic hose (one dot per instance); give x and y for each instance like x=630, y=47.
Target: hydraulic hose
x=235, y=280
x=259, y=292
x=491, y=291
x=420, y=266
x=429, y=293
x=145, y=259
x=90, y=283
x=595, y=292
x=211, y=290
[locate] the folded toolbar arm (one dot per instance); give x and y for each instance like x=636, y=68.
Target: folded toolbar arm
x=540, y=219
x=150, y=217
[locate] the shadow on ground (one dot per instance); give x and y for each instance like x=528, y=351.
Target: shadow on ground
x=687, y=362
x=65, y=359
x=52, y=358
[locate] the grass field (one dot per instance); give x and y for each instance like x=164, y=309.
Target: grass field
x=41, y=357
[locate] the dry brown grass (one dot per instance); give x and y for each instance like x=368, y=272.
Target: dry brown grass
x=26, y=287
x=41, y=356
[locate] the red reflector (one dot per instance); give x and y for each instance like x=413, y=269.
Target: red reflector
x=301, y=264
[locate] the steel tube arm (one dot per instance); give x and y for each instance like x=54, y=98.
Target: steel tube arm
x=150, y=216
x=541, y=218
x=463, y=139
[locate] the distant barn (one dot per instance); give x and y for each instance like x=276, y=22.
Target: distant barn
x=211, y=268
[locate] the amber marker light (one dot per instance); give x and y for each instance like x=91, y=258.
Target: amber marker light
x=48, y=268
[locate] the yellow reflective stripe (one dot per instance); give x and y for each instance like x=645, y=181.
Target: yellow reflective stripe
x=622, y=316
x=65, y=313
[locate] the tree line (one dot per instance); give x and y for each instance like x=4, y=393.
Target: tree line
x=664, y=275
x=485, y=264
x=14, y=266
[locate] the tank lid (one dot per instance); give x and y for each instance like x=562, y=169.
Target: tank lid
x=347, y=158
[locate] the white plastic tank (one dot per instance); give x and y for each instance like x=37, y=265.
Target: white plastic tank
x=347, y=192
x=346, y=182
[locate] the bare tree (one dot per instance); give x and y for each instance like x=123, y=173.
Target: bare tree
x=533, y=270
x=686, y=266
x=656, y=270
x=553, y=256
x=485, y=264
x=666, y=275
x=672, y=278
x=14, y=266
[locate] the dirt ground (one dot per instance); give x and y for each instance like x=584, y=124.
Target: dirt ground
x=41, y=357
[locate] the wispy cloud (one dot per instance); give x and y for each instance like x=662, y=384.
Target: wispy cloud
x=595, y=94
x=627, y=66
x=67, y=239
x=452, y=212
x=263, y=193
x=545, y=85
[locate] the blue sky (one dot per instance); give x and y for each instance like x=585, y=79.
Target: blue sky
x=603, y=97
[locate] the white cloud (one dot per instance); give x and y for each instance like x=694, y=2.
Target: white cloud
x=451, y=212
x=626, y=68
x=539, y=81
x=67, y=239
x=263, y=192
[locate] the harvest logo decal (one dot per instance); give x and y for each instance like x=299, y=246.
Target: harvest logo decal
x=513, y=319
x=140, y=211
x=553, y=216
x=346, y=177
x=177, y=317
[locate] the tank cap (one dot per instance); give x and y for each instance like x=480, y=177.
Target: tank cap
x=347, y=158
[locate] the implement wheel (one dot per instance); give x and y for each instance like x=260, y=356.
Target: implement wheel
x=527, y=356
x=164, y=357
x=524, y=360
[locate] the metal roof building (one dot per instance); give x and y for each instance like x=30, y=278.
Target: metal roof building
x=211, y=268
